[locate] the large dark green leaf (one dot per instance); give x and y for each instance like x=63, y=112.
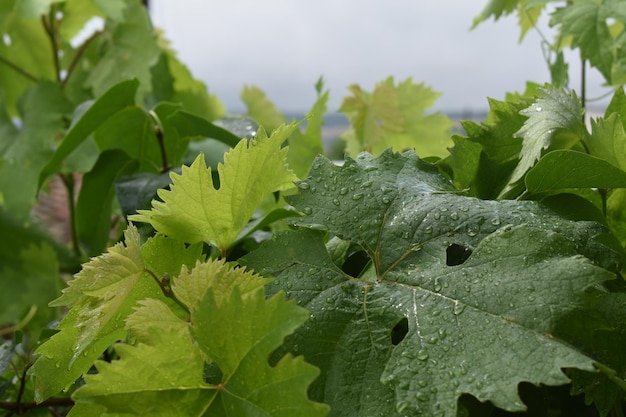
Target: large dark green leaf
x=462, y=295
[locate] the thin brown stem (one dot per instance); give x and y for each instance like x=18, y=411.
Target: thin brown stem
x=51, y=29
x=165, y=284
x=18, y=69
x=79, y=54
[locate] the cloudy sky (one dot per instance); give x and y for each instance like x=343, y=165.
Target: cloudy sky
x=284, y=46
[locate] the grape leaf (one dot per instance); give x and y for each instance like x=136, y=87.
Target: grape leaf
x=587, y=23
x=608, y=140
x=194, y=211
x=30, y=149
x=480, y=288
x=305, y=146
x=114, y=100
x=100, y=297
x=261, y=109
x=27, y=46
x=497, y=9
x=162, y=374
x=93, y=208
x=128, y=52
x=250, y=328
x=393, y=116
x=563, y=169
x=555, y=116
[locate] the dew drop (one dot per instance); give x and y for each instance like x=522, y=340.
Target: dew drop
x=495, y=221
x=357, y=196
x=422, y=396
x=422, y=355
x=458, y=308
x=442, y=333
x=538, y=108
x=343, y=191
x=307, y=210
x=336, y=201
x=454, y=215
x=304, y=185
x=437, y=216
x=386, y=200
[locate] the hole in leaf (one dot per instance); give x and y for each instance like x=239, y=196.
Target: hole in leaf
x=212, y=373
x=355, y=263
x=399, y=331
x=457, y=254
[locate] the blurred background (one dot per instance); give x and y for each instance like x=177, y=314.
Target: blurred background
x=284, y=46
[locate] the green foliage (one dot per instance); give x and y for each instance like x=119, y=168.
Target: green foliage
x=393, y=116
x=250, y=172
x=487, y=282
x=486, y=289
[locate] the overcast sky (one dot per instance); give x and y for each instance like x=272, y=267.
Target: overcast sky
x=284, y=46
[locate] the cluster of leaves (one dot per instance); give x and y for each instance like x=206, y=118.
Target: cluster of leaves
x=595, y=28
x=471, y=282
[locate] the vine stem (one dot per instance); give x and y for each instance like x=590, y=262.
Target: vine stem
x=160, y=135
x=583, y=85
x=165, y=285
x=51, y=29
x=18, y=69
x=79, y=54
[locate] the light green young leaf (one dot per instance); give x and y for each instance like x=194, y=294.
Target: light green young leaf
x=161, y=376
x=483, y=288
x=305, y=147
x=261, y=109
x=191, y=285
x=190, y=92
x=101, y=296
x=555, y=119
x=497, y=9
x=194, y=211
x=163, y=373
x=394, y=117
x=251, y=327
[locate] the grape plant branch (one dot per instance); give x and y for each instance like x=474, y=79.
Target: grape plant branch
x=51, y=29
x=18, y=69
x=165, y=283
x=79, y=54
